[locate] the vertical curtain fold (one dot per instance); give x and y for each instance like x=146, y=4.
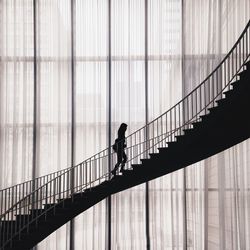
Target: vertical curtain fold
x=128, y=105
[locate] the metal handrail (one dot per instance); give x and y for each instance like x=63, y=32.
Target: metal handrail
x=145, y=140
x=67, y=170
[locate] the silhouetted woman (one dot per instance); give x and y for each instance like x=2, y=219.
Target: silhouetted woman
x=119, y=147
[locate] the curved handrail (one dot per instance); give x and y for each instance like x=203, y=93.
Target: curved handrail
x=65, y=172
x=144, y=140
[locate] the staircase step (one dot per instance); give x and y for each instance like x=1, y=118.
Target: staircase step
x=244, y=74
x=171, y=143
x=212, y=109
x=145, y=161
x=163, y=150
x=180, y=138
x=236, y=83
x=15, y=234
x=19, y=244
x=127, y=172
x=204, y=117
x=247, y=64
x=36, y=212
x=197, y=124
x=11, y=225
x=105, y=183
x=91, y=190
x=79, y=196
x=137, y=166
x=188, y=131
x=50, y=206
x=221, y=102
x=116, y=178
x=154, y=155
x=68, y=201
x=23, y=217
x=228, y=93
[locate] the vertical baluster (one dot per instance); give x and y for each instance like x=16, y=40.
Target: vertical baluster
x=86, y=173
x=6, y=207
x=175, y=123
x=10, y=214
x=214, y=86
x=17, y=188
x=166, y=126
x=247, y=45
x=204, y=94
x=243, y=48
x=188, y=118
x=219, y=80
x=153, y=135
x=93, y=170
x=200, y=98
x=208, y=92
x=196, y=103
x=140, y=145
x=236, y=59
x=224, y=76
x=40, y=202
x=179, y=117
x=232, y=64
x=81, y=172
x=192, y=107
x=161, y=129
x=50, y=189
x=239, y=53
x=9, y=202
x=171, y=124
x=64, y=184
x=100, y=176
x=135, y=146
x=90, y=177
x=228, y=69
x=155, y=142
x=235, y=62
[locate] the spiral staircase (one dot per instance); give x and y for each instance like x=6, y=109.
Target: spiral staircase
x=213, y=117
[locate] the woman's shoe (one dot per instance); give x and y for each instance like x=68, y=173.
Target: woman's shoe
x=122, y=168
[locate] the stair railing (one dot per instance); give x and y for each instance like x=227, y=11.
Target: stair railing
x=95, y=170
x=19, y=191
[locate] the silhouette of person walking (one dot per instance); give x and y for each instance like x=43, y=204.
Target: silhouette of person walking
x=119, y=147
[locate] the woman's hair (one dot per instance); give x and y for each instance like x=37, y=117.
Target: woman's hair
x=121, y=130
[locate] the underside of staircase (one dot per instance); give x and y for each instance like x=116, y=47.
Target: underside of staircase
x=225, y=124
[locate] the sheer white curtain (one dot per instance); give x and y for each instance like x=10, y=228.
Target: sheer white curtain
x=16, y=91
x=128, y=105
x=53, y=103
x=91, y=62
x=165, y=89
x=217, y=203
x=205, y=206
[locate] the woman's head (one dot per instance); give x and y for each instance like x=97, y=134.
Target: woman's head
x=122, y=129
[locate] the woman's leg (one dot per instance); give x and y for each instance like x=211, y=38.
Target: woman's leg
x=119, y=155
x=124, y=156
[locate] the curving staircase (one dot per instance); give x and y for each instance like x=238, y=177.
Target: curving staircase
x=212, y=118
